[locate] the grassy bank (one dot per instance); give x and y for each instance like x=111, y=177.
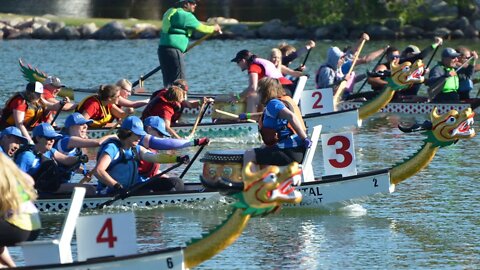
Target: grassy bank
x=69, y=21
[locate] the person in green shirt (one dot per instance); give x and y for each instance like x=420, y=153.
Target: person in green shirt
x=444, y=73
x=178, y=24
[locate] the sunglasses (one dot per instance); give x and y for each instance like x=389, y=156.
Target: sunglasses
x=395, y=56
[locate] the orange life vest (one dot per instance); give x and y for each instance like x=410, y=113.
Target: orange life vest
x=33, y=113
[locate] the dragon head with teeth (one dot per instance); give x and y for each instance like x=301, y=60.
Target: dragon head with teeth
x=448, y=128
x=405, y=74
x=266, y=190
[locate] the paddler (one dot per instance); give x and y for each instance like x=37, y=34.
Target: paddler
x=101, y=107
x=281, y=127
x=178, y=24
x=444, y=72
x=257, y=68
x=117, y=159
x=26, y=109
x=51, y=87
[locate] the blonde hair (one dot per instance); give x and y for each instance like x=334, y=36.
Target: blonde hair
x=11, y=177
x=125, y=84
x=277, y=53
x=269, y=88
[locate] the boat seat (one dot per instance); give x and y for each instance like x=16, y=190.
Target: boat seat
x=307, y=168
x=56, y=250
x=302, y=80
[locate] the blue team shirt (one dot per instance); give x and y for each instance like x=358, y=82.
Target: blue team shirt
x=272, y=120
x=29, y=163
x=123, y=167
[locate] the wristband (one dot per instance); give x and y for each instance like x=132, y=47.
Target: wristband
x=248, y=115
x=237, y=96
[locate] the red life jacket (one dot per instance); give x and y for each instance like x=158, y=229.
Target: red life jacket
x=160, y=106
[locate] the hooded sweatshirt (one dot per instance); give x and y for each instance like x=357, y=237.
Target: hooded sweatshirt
x=329, y=74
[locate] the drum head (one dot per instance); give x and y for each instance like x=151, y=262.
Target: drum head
x=223, y=156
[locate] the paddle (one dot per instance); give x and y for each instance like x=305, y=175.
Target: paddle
x=155, y=70
x=191, y=161
x=438, y=86
x=341, y=88
x=203, y=110
x=135, y=188
x=304, y=60
x=431, y=57
x=374, y=67
x=236, y=115
x=62, y=104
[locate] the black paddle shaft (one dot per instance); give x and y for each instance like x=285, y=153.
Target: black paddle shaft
x=142, y=78
x=62, y=104
x=191, y=161
x=135, y=188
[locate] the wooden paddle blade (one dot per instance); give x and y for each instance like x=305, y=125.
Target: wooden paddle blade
x=436, y=89
x=337, y=97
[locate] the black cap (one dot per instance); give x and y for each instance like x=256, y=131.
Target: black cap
x=243, y=54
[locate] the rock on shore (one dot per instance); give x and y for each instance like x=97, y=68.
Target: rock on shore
x=44, y=28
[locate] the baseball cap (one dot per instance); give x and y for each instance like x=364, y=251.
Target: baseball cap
x=76, y=119
x=55, y=81
x=157, y=123
x=34, y=87
x=14, y=131
x=243, y=54
x=45, y=130
x=412, y=49
x=450, y=53
x=134, y=124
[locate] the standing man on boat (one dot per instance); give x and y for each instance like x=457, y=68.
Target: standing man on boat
x=178, y=24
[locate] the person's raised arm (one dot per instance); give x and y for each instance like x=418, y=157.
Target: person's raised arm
x=170, y=130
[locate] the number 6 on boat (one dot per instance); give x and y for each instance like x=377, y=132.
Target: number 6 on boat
x=339, y=154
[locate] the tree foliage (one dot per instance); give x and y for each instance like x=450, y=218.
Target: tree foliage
x=327, y=12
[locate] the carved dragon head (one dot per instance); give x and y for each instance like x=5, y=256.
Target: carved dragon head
x=405, y=74
x=30, y=73
x=450, y=127
x=266, y=190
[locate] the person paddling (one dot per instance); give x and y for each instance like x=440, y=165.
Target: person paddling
x=26, y=109
x=51, y=88
x=178, y=24
x=101, y=107
x=117, y=159
x=157, y=139
x=281, y=127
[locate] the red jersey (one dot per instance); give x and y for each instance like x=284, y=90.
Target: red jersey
x=160, y=106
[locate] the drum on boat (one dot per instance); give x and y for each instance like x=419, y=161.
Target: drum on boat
x=223, y=163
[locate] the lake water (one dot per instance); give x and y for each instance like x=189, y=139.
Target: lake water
x=430, y=222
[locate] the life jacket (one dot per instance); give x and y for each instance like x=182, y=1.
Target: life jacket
x=272, y=71
x=172, y=29
x=34, y=113
x=72, y=153
x=106, y=116
x=27, y=217
x=124, y=170
x=271, y=136
x=158, y=103
x=148, y=169
x=50, y=175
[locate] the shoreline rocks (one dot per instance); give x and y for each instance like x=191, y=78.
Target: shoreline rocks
x=44, y=28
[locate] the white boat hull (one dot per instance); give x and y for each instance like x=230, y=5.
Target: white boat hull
x=195, y=193
x=343, y=190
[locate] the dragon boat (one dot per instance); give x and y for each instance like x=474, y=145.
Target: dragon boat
x=264, y=193
x=329, y=191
